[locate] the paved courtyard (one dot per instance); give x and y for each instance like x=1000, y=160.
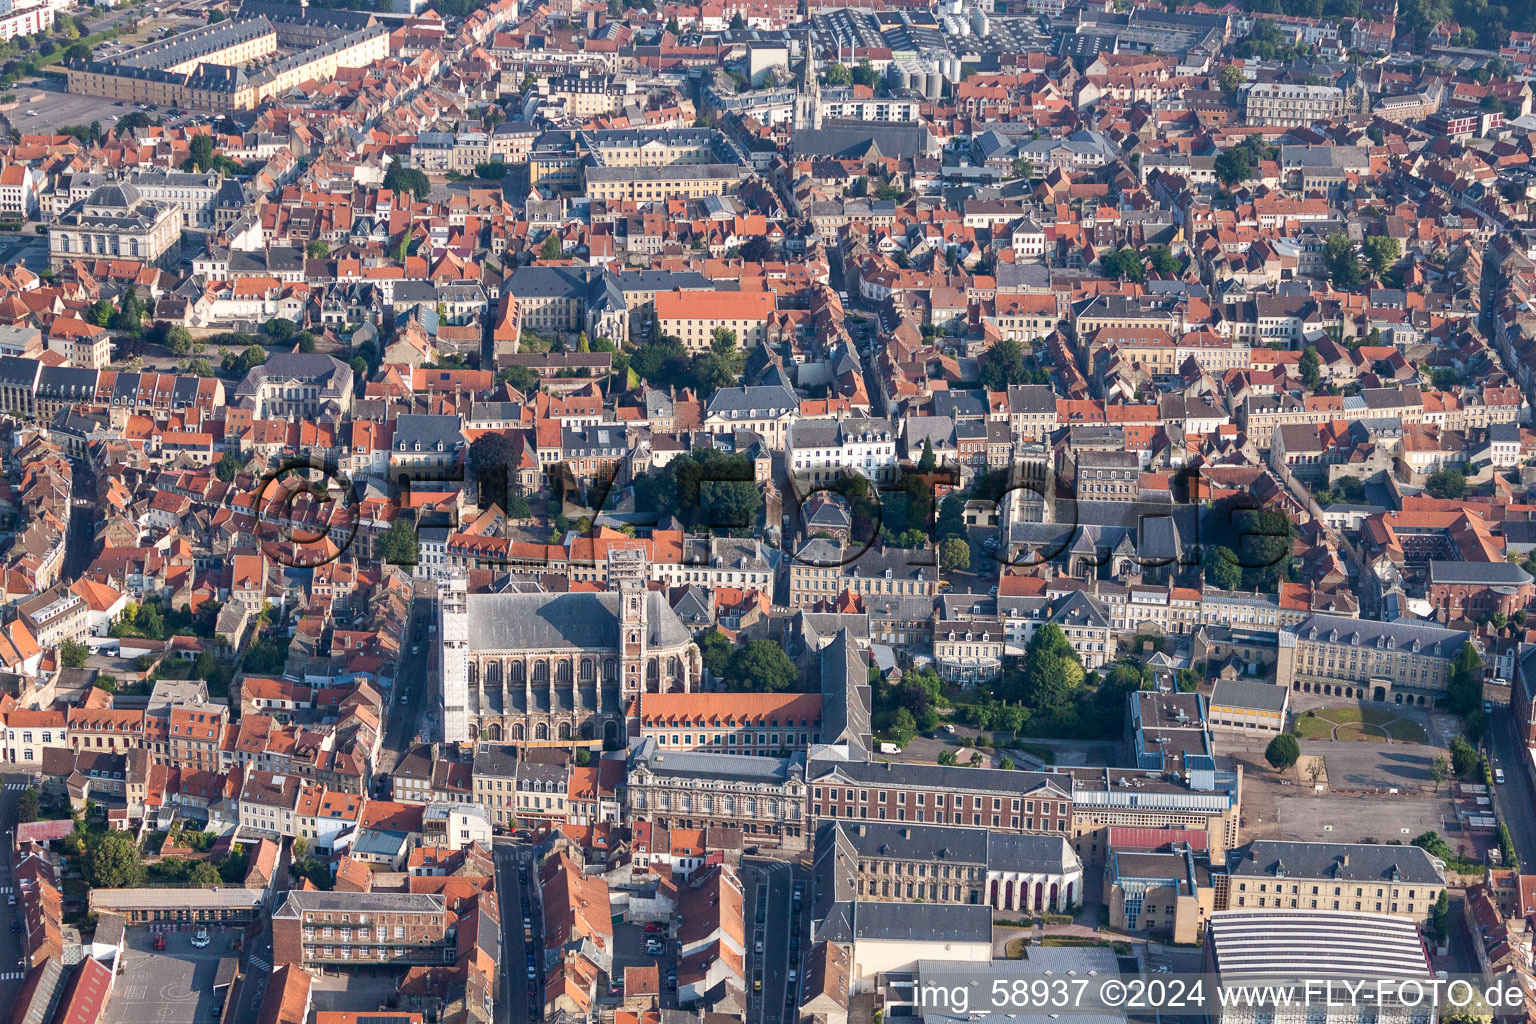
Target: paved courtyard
x=356, y=989
x=174, y=986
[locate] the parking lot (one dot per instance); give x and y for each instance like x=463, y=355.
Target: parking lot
x=1361, y=766
x=43, y=110
x=170, y=986
x=629, y=951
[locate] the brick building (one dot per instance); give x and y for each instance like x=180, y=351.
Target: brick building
x=334, y=929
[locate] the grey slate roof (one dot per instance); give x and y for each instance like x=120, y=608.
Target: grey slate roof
x=300, y=900
x=940, y=778
x=564, y=622
x=1431, y=641
x=752, y=402
x=846, y=699
x=1243, y=693
x=428, y=431
x=1493, y=574
x=698, y=764
x=1346, y=862
x=916, y=922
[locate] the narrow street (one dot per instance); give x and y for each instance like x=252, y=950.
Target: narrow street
x=767, y=885
x=518, y=1000
x=410, y=699
x=80, y=541
x=1516, y=798
x=11, y=966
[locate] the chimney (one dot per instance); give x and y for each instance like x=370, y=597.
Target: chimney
x=906, y=833
x=861, y=830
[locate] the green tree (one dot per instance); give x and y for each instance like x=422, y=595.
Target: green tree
x=951, y=516
x=1440, y=918
x=1464, y=688
x=317, y=249
x=74, y=655
x=838, y=74
x=1439, y=771
x=1004, y=365
x=29, y=806
x=129, y=315
x=521, y=378
x=1463, y=757
x=927, y=462
x=178, y=340
x=1125, y=265
x=1282, y=751
x=1163, y=261
x=1222, y=570
x=761, y=666
x=112, y=861
x=399, y=544
x=203, y=873
x=1051, y=670
x=1381, y=253
x=551, y=249
x=715, y=651
x=492, y=459
x=1435, y=845
x=227, y=467
x=903, y=727
x=100, y=313
x=955, y=553
x=864, y=73
x=946, y=758
x=1343, y=262
x=244, y=361
x=1446, y=483
x=709, y=490
x=280, y=329
x=201, y=148
x=738, y=22
x=1234, y=166
x=1229, y=78
x=407, y=179
x=493, y=170
x=1311, y=368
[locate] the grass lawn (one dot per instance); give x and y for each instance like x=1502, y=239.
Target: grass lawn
x=1313, y=727
x=1404, y=731
x=1358, y=723
x=1361, y=732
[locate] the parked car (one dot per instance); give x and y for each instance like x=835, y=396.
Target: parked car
x=1498, y=776
x=653, y=927
x=200, y=939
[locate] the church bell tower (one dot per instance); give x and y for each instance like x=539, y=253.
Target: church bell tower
x=626, y=574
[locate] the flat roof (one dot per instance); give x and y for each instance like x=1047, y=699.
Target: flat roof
x=226, y=897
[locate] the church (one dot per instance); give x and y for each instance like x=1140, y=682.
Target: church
x=531, y=667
